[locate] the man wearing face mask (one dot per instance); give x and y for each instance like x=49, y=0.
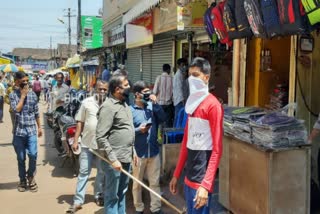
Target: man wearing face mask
x=86, y=125
x=59, y=91
x=115, y=137
x=24, y=104
x=147, y=115
x=179, y=87
x=201, y=147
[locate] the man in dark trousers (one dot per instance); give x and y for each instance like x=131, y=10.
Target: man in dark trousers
x=24, y=104
x=115, y=137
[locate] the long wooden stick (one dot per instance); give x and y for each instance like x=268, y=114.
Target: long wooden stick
x=141, y=183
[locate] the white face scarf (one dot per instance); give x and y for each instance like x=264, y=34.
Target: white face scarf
x=198, y=92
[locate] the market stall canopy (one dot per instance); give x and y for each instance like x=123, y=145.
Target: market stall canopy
x=42, y=72
x=20, y=68
x=55, y=71
x=73, y=62
x=139, y=9
x=9, y=68
x=91, y=62
x=5, y=60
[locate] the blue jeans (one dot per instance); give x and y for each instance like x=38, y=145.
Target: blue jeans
x=1, y=108
x=86, y=159
x=190, y=194
x=22, y=146
x=177, y=108
x=116, y=186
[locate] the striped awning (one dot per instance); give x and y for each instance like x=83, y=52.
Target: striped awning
x=138, y=9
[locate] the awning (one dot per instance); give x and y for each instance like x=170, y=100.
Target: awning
x=139, y=9
x=115, y=22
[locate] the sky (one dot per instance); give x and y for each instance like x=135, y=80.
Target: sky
x=31, y=23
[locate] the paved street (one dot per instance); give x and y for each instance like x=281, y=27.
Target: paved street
x=56, y=183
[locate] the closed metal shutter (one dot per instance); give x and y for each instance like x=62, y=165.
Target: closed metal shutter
x=146, y=64
x=161, y=54
x=133, y=64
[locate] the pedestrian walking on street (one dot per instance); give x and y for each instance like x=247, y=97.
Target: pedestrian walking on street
x=36, y=87
x=2, y=95
x=115, y=138
x=201, y=147
x=58, y=92
x=147, y=115
x=24, y=104
x=86, y=125
x=163, y=90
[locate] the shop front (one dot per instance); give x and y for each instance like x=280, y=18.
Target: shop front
x=115, y=41
x=266, y=161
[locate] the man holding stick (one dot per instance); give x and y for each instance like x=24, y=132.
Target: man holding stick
x=115, y=137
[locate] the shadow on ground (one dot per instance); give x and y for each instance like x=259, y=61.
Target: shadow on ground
x=8, y=186
x=68, y=199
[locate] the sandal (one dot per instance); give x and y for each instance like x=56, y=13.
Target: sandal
x=33, y=185
x=22, y=186
x=74, y=208
x=100, y=201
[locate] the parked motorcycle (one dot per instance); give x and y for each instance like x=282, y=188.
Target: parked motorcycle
x=65, y=127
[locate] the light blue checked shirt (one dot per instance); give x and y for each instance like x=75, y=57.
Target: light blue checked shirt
x=25, y=120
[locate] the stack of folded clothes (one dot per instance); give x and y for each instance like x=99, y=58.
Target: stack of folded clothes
x=277, y=130
x=237, y=121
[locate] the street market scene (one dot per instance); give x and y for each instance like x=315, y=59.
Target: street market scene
x=160, y=107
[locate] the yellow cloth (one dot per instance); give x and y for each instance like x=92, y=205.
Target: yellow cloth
x=6, y=97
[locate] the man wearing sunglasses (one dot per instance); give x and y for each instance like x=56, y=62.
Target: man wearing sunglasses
x=86, y=125
x=24, y=104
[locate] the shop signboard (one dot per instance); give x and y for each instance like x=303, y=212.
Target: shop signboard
x=116, y=36
x=191, y=15
x=92, y=36
x=139, y=32
x=27, y=67
x=167, y=16
x=38, y=67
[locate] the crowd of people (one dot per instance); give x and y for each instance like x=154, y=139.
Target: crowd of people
x=127, y=134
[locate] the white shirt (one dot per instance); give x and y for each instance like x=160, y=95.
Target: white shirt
x=58, y=93
x=44, y=84
x=2, y=90
x=163, y=89
x=178, y=87
x=88, y=115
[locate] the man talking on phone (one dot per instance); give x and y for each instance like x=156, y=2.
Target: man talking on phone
x=24, y=104
x=147, y=115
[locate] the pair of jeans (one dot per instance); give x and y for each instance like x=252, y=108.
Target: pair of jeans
x=86, y=159
x=22, y=146
x=177, y=108
x=1, y=108
x=150, y=167
x=190, y=194
x=116, y=186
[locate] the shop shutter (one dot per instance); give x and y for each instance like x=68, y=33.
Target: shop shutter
x=161, y=54
x=133, y=64
x=146, y=64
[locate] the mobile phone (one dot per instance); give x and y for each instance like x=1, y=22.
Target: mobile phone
x=148, y=124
